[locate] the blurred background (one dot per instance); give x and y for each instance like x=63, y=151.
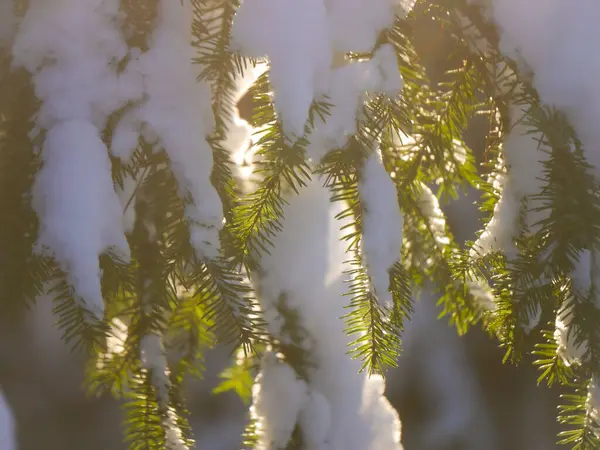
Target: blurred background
x=452, y=393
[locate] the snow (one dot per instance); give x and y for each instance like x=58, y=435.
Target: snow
x=154, y=360
x=500, y=231
x=177, y=115
x=126, y=137
x=384, y=426
x=71, y=47
x=570, y=351
x=403, y=7
x=278, y=396
x=586, y=275
x=306, y=264
x=518, y=182
x=585, y=281
x=8, y=438
x=174, y=434
x=382, y=225
x=522, y=180
x=482, y=294
x=552, y=38
x=315, y=419
x=346, y=88
x=517, y=177
x=593, y=400
x=356, y=24
x=115, y=341
x=555, y=43
x=80, y=213
x=387, y=61
x=533, y=319
x=302, y=70
x=153, y=355
x=430, y=207
x=525, y=160
x=238, y=138
x=264, y=28
x=238, y=141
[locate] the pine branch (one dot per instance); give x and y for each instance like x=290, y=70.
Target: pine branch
x=257, y=216
x=229, y=304
x=80, y=327
x=570, y=206
x=378, y=329
x=401, y=296
x=251, y=436
x=584, y=432
x=378, y=341
x=218, y=66
x=189, y=334
x=239, y=376
x=438, y=127
x=143, y=425
x=549, y=361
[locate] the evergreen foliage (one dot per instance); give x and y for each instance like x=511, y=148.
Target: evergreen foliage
x=192, y=304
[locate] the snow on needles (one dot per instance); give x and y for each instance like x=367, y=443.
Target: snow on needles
x=335, y=407
x=355, y=24
x=524, y=162
x=519, y=183
x=585, y=282
x=79, y=211
x=275, y=422
x=345, y=89
x=154, y=360
x=300, y=69
x=177, y=113
x=382, y=225
x=557, y=42
x=70, y=47
x=332, y=406
x=294, y=35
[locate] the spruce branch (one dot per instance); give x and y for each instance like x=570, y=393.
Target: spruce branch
x=577, y=414
x=378, y=340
